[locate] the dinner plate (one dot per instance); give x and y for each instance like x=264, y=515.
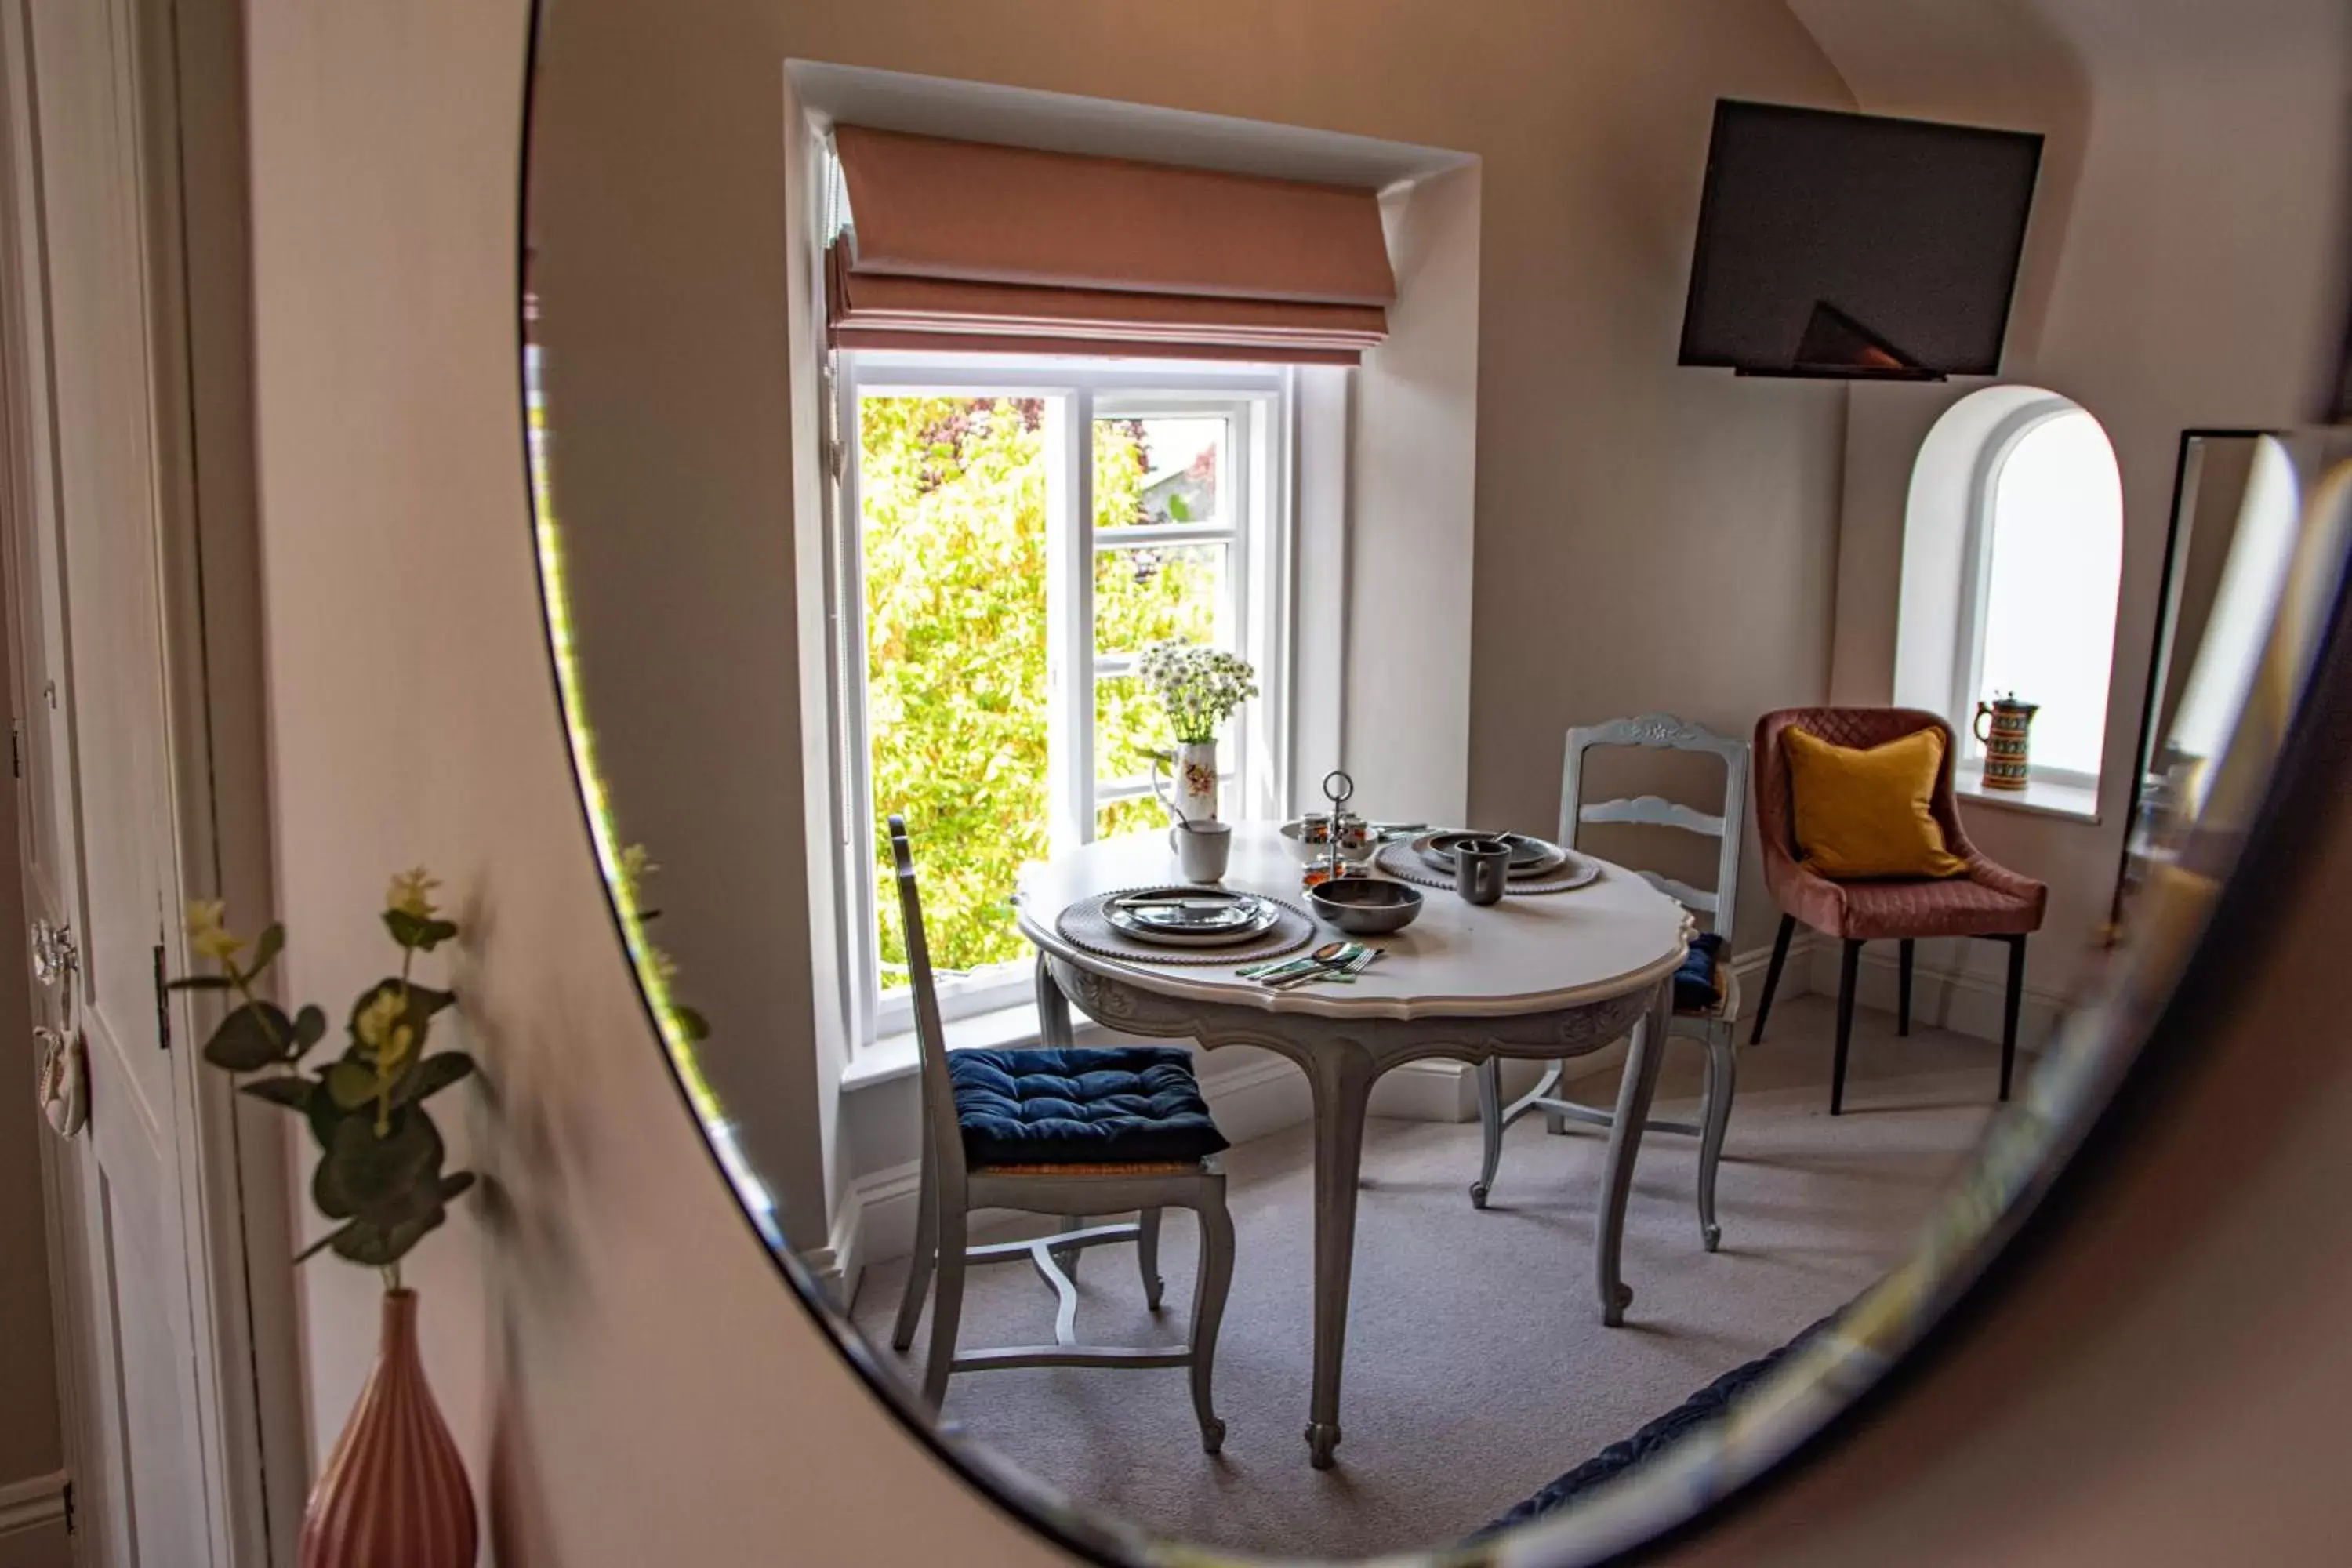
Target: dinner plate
x=1196, y=916
x=1530, y=856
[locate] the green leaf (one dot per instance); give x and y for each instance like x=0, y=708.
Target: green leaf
x=250, y=1038
x=418, y=932
x=198, y=982
x=454, y=1184
x=431, y=1075
x=378, y=1245
x=309, y=1028
x=266, y=947
x=696, y=1027
x=293, y=1093
x=351, y=1084
x=363, y=1175
x=1179, y=509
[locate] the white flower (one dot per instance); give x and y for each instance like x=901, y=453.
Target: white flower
x=1200, y=687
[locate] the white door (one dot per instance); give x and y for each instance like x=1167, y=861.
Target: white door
x=95, y=753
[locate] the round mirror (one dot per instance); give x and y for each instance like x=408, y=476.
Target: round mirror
x=1326, y=904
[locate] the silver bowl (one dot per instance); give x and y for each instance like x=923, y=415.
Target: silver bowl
x=1308, y=839
x=1364, y=906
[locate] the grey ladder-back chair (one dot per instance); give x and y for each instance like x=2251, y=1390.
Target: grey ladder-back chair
x=1712, y=1026
x=952, y=1189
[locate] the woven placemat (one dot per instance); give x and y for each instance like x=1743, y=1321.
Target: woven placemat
x=1399, y=861
x=1084, y=926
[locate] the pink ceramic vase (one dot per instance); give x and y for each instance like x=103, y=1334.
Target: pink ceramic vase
x=395, y=1494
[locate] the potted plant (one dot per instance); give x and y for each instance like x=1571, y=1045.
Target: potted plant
x=1200, y=689
x=394, y=1489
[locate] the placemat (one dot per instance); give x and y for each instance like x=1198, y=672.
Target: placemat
x=1083, y=925
x=1399, y=862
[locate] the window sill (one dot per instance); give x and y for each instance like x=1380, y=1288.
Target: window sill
x=2040, y=797
x=894, y=1057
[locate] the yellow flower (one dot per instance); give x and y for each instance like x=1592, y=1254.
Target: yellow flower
x=207, y=936
x=379, y=1020
x=411, y=893
x=636, y=865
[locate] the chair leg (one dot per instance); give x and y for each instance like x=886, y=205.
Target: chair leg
x=1209, y=1291
x=1903, y=990
x=919, y=1267
x=1722, y=1078
x=947, y=1307
x=1772, y=975
x=1066, y=1259
x=1848, y=962
x=1147, y=1257
x=1490, y=1129
x=2010, y=1010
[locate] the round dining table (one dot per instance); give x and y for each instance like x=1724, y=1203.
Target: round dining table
x=1539, y=976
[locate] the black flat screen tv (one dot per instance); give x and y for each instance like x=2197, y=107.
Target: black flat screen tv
x=1855, y=245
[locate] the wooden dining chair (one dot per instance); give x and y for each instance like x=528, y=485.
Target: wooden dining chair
x=1069, y=1132
x=1707, y=996
x=1987, y=900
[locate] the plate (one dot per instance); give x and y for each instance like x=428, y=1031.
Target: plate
x=1530, y=856
x=1195, y=916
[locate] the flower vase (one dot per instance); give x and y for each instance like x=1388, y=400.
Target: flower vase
x=395, y=1494
x=1196, y=781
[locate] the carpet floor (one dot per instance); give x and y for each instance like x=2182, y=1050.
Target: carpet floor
x=1478, y=1369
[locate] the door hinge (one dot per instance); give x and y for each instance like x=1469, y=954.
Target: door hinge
x=163, y=1004
x=72, y=1525
x=17, y=747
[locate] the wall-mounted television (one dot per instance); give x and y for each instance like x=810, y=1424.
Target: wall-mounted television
x=1857, y=246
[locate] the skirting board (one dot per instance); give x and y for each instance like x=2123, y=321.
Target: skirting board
x=1261, y=1093
x=32, y=1502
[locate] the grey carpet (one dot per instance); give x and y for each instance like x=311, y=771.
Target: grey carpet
x=1477, y=1367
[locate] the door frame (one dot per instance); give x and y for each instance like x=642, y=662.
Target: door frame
x=236, y=1192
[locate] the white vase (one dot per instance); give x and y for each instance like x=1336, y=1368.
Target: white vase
x=1192, y=793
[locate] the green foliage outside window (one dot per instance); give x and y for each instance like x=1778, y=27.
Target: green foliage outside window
x=953, y=492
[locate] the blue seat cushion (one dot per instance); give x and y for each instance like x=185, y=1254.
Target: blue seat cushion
x=1698, y=984
x=1100, y=1105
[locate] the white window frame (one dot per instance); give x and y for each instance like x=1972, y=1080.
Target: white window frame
x=1968, y=664
x=1260, y=403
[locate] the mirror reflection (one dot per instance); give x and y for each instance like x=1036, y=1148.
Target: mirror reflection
x=1248, y=860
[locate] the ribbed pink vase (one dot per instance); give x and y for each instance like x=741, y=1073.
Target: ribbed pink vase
x=395, y=1494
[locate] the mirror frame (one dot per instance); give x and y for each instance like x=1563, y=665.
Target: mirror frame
x=2117, y=1065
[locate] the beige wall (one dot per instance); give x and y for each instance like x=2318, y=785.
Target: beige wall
x=620, y=1362
x=2180, y=273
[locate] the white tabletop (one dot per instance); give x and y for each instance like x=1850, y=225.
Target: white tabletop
x=1531, y=953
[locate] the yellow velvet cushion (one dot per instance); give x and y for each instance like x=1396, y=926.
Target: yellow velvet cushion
x=1864, y=813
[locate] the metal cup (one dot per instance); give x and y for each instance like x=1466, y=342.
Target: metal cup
x=1202, y=848
x=1482, y=870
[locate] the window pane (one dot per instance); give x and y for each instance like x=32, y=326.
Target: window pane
x=952, y=498
x=1141, y=814
x=1158, y=470
x=1153, y=592
x=1131, y=727
x=2049, y=604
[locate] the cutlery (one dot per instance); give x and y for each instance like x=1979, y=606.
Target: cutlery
x=1330, y=952
x=1179, y=902
x=1343, y=970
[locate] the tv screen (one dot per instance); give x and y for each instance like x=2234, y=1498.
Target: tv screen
x=1852, y=245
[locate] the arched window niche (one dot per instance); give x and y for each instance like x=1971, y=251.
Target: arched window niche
x=2012, y=557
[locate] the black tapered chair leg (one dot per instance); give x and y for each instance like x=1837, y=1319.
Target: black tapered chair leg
x=1903, y=990
x=2009, y=1012
x=1772, y=975
x=1848, y=962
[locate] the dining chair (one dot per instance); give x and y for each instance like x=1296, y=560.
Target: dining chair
x=1706, y=995
x=1987, y=900
x=1067, y=1132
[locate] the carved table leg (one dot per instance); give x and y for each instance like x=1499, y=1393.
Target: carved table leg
x=1341, y=1075
x=1053, y=1008
x=1634, y=1089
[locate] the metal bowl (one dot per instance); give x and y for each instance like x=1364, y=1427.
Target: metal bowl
x=1364, y=906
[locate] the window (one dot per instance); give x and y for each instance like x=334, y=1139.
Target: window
x=1014, y=534
x=2048, y=562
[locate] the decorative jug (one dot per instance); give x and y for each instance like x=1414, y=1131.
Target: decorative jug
x=2002, y=724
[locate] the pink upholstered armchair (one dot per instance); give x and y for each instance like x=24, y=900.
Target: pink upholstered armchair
x=1989, y=901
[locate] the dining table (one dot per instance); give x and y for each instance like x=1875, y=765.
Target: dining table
x=1540, y=976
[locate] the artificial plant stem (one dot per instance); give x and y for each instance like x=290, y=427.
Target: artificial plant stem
x=241, y=980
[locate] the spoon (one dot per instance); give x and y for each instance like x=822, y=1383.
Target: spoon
x=1322, y=955
x=1321, y=969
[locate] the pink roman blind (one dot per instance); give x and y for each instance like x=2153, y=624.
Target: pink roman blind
x=970, y=246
